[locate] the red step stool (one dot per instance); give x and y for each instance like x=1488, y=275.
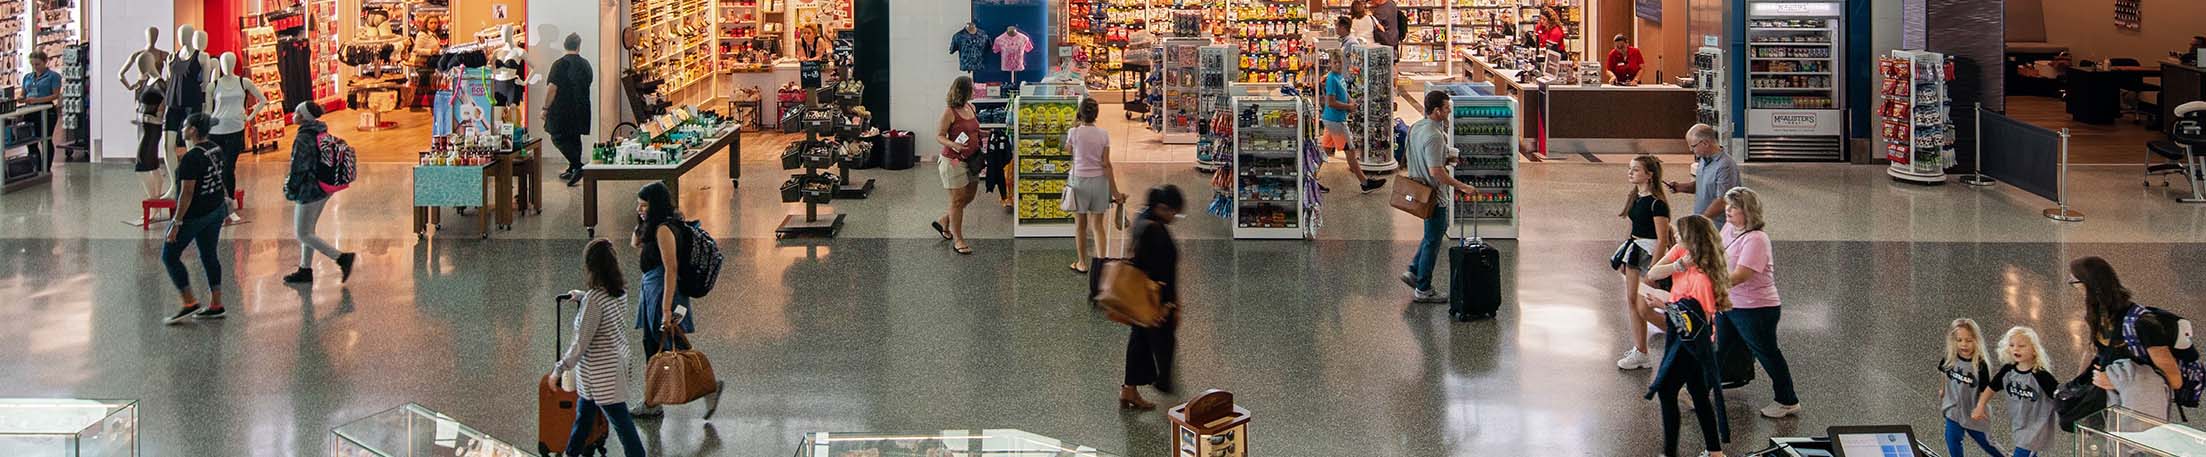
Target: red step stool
x=147, y=206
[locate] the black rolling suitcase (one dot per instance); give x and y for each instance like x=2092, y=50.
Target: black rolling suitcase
x=1474, y=280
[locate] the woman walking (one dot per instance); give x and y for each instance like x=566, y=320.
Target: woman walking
x=1751, y=325
x=1094, y=186
x=1688, y=360
x=1149, y=349
x=961, y=138
x=201, y=206
x=304, y=188
x=2135, y=348
x=599, y=354
x=1648, y=209
x=662, y=305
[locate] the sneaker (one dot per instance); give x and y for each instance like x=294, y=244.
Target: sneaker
x=1776, y=410
x=1372, y=185
x=304, y=275
x=1634, y=360
x=1728, y=385
x=344, y=266
x=1429, y=296
x=646, y=411
x=1409, y=280
x=181, y=315
x=211, y=313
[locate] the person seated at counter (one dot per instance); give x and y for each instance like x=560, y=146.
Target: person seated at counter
x=1624, y=63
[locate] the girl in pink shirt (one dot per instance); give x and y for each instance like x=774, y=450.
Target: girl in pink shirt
x=1751, y=325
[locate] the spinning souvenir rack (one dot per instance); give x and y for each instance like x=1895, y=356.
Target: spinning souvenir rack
x=831, y=140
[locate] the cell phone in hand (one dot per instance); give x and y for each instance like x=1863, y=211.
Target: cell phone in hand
x=962, y=138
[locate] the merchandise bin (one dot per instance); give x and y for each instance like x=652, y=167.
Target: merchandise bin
x=414, y=431
x=2119, y=431
x=988, y=442
x=38, y=427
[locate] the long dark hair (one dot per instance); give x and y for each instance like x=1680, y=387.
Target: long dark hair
x=1653, y=166
x=603, y=268
x=658, y=206
x=1698, y=235
x=2104, y=298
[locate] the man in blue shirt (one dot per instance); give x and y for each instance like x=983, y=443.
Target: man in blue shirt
x=41, y=85
x=1334, y=116
x=1715, y=173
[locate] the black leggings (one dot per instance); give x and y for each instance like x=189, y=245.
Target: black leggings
x=233, y=145
x=1688, y=374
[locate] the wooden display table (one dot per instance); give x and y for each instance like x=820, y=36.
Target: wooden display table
x=497, y=190
x=730, y=140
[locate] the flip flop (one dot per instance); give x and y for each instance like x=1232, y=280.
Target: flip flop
x=938, y=229
x=1076, y=269
x=963, y=250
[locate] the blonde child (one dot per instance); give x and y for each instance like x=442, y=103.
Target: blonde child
x=1967, y=387
x=2027, y=378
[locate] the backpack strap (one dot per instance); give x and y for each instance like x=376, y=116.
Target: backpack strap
x=2129, y=330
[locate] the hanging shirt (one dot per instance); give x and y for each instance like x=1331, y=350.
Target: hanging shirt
x=969, y=47
x=1013, y=47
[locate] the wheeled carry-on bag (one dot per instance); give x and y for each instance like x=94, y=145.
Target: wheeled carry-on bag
x=1474, y=279
x=555, y=408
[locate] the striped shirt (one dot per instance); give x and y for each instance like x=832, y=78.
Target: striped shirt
x=600, y=349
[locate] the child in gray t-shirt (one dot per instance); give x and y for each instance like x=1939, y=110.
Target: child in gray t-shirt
x=1967, y=386
x=2027, y=379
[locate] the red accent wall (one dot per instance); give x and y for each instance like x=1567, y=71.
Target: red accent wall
x=223, y=34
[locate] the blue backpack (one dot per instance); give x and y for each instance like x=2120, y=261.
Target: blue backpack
x=2192, y=372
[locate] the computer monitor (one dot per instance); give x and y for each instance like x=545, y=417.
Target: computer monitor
x=1873, y=441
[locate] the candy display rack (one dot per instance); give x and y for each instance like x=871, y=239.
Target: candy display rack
x=1042, y=164
x=1268, y=178
x=1182, y=109
x=1371, y=125
x=1486, y=133
x=1915, y=116
x=1270, y=35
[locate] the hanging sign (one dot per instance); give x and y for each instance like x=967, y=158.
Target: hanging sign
x=1651, y=10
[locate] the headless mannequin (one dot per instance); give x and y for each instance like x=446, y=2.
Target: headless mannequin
x=144, y=70
x=1013, y=31
x=510, y=74
x=189, y=42
x=222, y=74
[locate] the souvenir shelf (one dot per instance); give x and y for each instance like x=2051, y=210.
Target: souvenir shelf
x=1103, y=29
x=1431, y=24
x=819, y=150
x=1486, y=134
x=1270, y=34
x=668, y=31
x=76, y=101
x=1268, y=178
x=1915, y=116
x=1182, y=109
x=737, y=37
x=1574, y=21
x=322, y=17
x=12, y=52
x=1041, y=164
x=1190, y=18
x=1712, y=98
x=1371, y=125
x=57, y=26
x=265, y=129
x=1210, y=148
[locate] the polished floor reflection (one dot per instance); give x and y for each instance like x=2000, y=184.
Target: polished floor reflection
x=885, y=329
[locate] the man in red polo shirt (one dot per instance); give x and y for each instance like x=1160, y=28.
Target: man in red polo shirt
x=1624, y=62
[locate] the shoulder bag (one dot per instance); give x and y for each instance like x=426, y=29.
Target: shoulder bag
x=1125, y=293
x=1413, y=196
x=679, y=375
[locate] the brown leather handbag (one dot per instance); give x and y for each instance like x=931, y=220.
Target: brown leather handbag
x=1413, y=196
x=1128, y=296
x=678, y=375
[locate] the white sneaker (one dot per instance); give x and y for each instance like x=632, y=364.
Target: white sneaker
x=1775, y=410
x=1653, y=330
x=1428, y=296
x=1634, y=360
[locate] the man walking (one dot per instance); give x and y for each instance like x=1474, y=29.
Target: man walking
x=1714, y=173
x=567, y=117
x=1428, y=160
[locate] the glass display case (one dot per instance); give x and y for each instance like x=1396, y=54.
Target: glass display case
x=947, y=443
x=38, y=427
x=2119, y=431
x=414, y=431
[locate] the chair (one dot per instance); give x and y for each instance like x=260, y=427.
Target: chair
x=2138, y=97
x=2183, y=153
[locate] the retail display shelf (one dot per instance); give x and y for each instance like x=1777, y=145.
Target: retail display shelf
x=1371, y=124
x=1041, y=123
x=1270, y=188
x=1486, y=134
x=1916, y=115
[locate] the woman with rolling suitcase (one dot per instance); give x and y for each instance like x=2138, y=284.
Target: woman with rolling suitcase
x=598, y=358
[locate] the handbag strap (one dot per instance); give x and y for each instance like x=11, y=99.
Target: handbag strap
x=675, y=336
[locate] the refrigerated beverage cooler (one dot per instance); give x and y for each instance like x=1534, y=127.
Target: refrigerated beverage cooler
x=1794, y=81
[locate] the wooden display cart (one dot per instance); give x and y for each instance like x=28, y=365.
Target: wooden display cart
x=1209, y=425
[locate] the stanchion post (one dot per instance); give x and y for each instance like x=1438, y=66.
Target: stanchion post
x=2061, y=212
x=1978, y=178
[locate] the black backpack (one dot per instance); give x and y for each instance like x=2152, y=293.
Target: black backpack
x=700, y=261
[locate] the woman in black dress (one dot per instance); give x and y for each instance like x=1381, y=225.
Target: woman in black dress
x=1149, y=349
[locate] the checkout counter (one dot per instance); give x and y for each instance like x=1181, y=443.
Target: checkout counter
x=1574, y=118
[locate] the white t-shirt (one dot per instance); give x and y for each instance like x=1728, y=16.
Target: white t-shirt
x=229, y=105
x=1366, y=29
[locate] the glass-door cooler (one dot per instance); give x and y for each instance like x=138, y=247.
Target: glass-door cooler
x=1795, y=105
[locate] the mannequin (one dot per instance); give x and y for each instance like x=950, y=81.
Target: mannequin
x=508, y=73
x=970, y=44
x=187, y=90
x=147, y=67
x=1013, y=46
x=232, y=100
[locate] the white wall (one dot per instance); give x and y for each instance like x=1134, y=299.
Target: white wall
x=549, y=22
x=924, y=66
x=120, y=30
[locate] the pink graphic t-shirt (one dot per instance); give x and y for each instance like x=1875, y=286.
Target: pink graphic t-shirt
x=1013, y=48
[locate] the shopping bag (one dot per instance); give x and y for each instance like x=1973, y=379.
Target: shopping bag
x=679, y=375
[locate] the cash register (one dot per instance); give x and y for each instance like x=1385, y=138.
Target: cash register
x=1851, y=441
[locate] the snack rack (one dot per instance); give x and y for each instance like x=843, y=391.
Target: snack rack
x=1371, y=125
x=1486, y=132
x=1042, y=164
x=1915, y=116
x=1712, y=99
x=1270, y=35
x=1267, y=171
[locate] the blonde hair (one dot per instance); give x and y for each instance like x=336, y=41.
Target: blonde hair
x=1953, y=353
x=1749, y=204
x=961, y=91
x=2044, y=362
x=1699, y=237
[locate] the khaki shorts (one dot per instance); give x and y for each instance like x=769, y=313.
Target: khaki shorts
x=954, y=173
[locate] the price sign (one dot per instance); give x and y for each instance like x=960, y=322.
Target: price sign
x=809, y=71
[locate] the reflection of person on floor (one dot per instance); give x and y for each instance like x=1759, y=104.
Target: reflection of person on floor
x=304, y=187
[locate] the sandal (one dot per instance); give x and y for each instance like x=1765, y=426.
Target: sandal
x=1076, y=268
x=938, y=229
x=963, y=250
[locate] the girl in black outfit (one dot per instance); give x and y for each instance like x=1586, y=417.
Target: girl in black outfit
x=1648, y=209
x=1149, y=349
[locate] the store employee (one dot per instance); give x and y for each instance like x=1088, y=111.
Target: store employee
x=1624, y=62
x=41, y=85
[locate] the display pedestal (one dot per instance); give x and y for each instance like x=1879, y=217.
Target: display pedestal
x=815, y=223
x=412, y=430
x=1209, y=425
x=39, y=427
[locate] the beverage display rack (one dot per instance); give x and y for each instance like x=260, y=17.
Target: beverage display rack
x=1486, y=134
x=1269, y=183
x=1712, y=98
x=1794, y=110
x=1916, y=116
x=1182, y=109
x=1042, y=164
x=1371, y=125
